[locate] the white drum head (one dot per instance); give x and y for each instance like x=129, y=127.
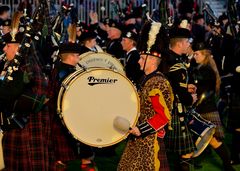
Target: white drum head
x=92, y=100
x=100, y=60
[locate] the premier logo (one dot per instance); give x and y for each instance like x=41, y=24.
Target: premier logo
x=93, y=81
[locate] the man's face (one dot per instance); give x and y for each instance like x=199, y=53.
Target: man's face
x=91, y=43
x=113, y=33
x=5, y=15
x=10, y=49
x=5, y=29
x=143, y=58
x=185, y=45
x=126, y=44
x=75, y=58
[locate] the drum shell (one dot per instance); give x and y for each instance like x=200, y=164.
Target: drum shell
x=94, y=105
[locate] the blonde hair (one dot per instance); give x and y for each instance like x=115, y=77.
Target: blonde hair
x=208, y=60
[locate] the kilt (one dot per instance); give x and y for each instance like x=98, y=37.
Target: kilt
x=176, y=141
x=215, y=119
x=30, y=148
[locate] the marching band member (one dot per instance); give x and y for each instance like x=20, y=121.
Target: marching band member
x=65, y=147
x=88, y=42
x=114, y=46
x=132, y=68
x=207, y=80
x=147, y=151
x=179, y=140
x=26, y=139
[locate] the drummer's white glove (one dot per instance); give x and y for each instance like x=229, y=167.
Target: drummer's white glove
x=135, y=131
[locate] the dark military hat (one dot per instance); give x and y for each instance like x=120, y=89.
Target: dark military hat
x=6, y=22
x=4, y=8
x=13, y=38
x=198, y=46
x=87, y=35
x=116, y=24
x=69, y=48
x=130, y=35
x=180, y=33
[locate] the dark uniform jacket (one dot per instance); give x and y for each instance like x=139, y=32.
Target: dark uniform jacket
x=114, y=47
x=205, y=80
x=132, y=67
x=84, y=49
x=177, y=75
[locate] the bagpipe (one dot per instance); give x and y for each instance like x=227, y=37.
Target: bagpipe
x=32, y=34
x=25, y=101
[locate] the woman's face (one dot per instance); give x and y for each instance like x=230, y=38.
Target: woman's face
x=199, y=57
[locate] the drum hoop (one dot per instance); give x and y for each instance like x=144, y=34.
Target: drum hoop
x=85, y=54
x=117, y=61
x=63, y=96
x=64, y=86
x=211, y=128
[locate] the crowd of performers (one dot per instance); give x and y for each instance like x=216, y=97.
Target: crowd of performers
x=179, y=67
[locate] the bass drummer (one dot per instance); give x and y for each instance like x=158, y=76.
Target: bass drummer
x=65, y=147
x=206, y=77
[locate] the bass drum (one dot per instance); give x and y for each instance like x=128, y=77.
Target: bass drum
x=90, y=101
x=91, y=60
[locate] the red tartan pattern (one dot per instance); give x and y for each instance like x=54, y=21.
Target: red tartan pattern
x=30, y=148
x=64, y=143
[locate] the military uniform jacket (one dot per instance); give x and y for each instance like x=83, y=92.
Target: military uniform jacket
x=178, y=76
x=115, y=48
x=179, y=139
x=132, y=67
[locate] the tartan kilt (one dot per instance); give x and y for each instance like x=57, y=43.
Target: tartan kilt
x=164, y=165
x=215, y=119
x=175, y=141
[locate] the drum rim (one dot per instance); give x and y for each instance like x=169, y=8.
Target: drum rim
x=211, y=128
x=60, y=113
x=64, y=86
x=117, y=61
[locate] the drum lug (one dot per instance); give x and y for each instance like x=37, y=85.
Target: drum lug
x=59, y=113
x=66, y=87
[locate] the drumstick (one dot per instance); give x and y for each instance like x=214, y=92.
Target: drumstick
x=121, y=124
